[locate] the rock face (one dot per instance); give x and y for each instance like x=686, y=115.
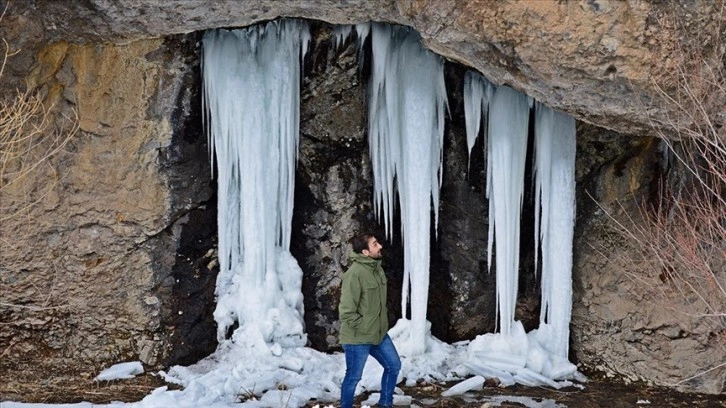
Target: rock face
x=93, y=271
x=626, y=316
x=593, y=59
x=333, y=181
x=119, y=255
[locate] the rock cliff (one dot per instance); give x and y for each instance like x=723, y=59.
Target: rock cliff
x=594, y=59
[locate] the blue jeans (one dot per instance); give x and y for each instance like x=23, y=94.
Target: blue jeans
x=355, y=359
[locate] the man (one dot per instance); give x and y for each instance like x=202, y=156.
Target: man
x=364, y=321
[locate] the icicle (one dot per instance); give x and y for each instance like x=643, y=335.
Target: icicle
x=341, y=33
x=555, y=196
x=539, y=357
x=477, y=94
x=507, y=149
x=407, y=97
x=251, y=95
x=362, y=29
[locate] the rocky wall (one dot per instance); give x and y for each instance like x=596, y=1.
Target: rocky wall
x=91, y=267
x=594, y=59
x=629, y=320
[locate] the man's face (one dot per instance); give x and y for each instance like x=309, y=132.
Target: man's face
x=374, y=249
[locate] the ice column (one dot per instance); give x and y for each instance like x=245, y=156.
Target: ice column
x=555, y=195
x=540, y=356
x=506, y=155
x=251, y=100
x=407, y=98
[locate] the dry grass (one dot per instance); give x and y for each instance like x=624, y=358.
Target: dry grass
x=72, y=384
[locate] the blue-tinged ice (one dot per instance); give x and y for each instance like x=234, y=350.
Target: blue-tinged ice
x=340, y=35
x=251, y=98
x=478, y=92
x=554, y=228
x=506, y=156
x=406, y=104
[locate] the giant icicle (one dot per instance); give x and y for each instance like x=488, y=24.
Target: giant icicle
x=540, y=356
x=251, y=98
x=506, y=155
x=407, y=99
x=555, y=195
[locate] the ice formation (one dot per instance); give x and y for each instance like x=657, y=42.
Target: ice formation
x=477, y=94
x=538, y=357
x=406, y=104
x=554, y=228
x=251, y=98
x=506, y=156
x=251, y=80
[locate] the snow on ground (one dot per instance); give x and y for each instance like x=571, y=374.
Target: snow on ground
x=237, y=375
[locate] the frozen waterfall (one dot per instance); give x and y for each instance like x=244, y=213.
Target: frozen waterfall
x=407, y=99
x=538, y=357
x=506, y=155
x=555, y=196
x=251, y=99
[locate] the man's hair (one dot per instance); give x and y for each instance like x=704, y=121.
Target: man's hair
x=360, y=242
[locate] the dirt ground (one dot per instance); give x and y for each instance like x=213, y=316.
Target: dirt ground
x=596, y=393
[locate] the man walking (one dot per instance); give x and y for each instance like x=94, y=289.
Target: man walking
x=364, y=321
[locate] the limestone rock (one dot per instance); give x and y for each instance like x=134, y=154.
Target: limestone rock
x=594, y=59
x=628, y=321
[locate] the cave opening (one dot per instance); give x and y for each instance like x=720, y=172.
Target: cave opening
x=333, y=201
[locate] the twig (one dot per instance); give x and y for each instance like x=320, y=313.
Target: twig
x=701, y=373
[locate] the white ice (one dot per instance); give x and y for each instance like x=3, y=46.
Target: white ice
x=477, y=94
x=538, y=357
x=251, y=95
x=506, y=155
x=498, y=400
x=555, y=195
x=407, y=99
x=121, y=371
x=473, y=383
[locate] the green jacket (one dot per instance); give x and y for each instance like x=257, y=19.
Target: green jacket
x=362, y=309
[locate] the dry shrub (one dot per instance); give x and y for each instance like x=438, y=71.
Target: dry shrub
x=28, y=139
x=679, y=236
x=684, y=234
x=31, y=135
x=680, y=244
